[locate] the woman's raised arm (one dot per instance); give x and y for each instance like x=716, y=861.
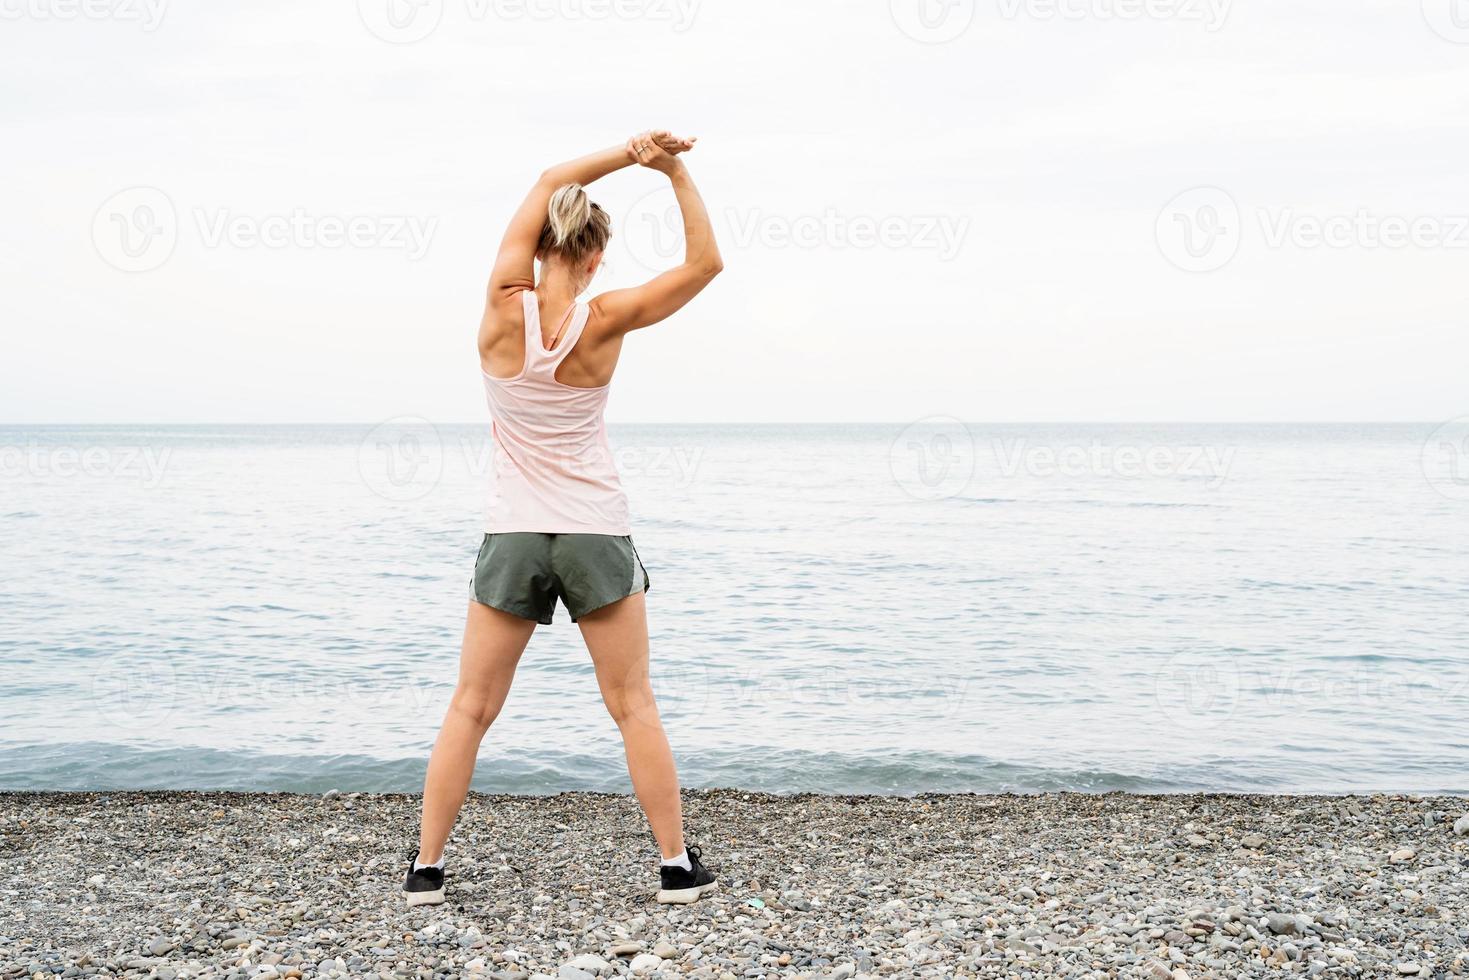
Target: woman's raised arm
x=514, y=267
x=621, y=310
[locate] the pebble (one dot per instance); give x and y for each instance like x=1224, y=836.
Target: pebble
x=1049, y=886
x=1281, y=925
x=1461, y=826
x=591, y=963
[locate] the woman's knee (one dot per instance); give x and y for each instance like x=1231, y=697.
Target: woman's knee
x=475, y=706
x=631, y=703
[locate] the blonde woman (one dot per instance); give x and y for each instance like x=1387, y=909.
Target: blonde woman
x=557, y=523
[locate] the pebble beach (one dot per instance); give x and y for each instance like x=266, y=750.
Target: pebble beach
x=264, y=886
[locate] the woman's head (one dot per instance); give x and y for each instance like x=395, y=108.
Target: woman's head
x=576, y=232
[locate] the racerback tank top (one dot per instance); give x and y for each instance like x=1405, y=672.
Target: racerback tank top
x=553, y=469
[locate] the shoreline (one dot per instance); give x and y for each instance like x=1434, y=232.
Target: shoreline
x=176, y=885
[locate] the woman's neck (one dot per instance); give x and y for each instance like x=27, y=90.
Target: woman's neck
x=556, y=286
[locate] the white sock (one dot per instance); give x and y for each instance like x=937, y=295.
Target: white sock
x=419, y=866
x=681, y=861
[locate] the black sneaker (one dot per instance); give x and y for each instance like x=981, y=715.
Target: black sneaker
x=682, y=887
x=424, y=886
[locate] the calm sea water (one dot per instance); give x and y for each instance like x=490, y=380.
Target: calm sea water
x=834, y=609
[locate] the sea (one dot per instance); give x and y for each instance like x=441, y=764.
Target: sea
x=935, y=606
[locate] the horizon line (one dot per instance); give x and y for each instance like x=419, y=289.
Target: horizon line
x=412, y=420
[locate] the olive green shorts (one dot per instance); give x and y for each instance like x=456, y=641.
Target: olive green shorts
x=524, y=573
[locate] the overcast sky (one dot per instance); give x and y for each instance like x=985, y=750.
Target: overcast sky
x=1003, y=210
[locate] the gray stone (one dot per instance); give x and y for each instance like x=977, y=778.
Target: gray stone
x=591, y=963
x=1281, y=925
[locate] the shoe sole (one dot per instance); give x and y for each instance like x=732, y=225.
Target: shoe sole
x=425, y=898
x=684, y=896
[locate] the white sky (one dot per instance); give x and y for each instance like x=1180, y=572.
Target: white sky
x=1046, y=147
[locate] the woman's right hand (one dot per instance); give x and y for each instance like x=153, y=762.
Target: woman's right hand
x=673, y=144
x=658, y=149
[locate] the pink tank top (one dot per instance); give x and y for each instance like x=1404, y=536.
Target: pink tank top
x=553, y=469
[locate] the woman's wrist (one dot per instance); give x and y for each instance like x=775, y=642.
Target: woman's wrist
x=590, y=168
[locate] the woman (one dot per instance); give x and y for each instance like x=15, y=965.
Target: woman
x=557, y=520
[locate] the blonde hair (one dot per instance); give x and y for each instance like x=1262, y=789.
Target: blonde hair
x=576, y=227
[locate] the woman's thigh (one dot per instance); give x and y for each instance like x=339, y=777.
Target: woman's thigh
x=493, y=643
x=617, y=639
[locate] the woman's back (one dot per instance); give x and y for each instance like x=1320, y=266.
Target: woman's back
x=553, y=467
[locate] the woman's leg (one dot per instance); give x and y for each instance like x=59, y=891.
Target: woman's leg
x=493, y=643
x=617, y=638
